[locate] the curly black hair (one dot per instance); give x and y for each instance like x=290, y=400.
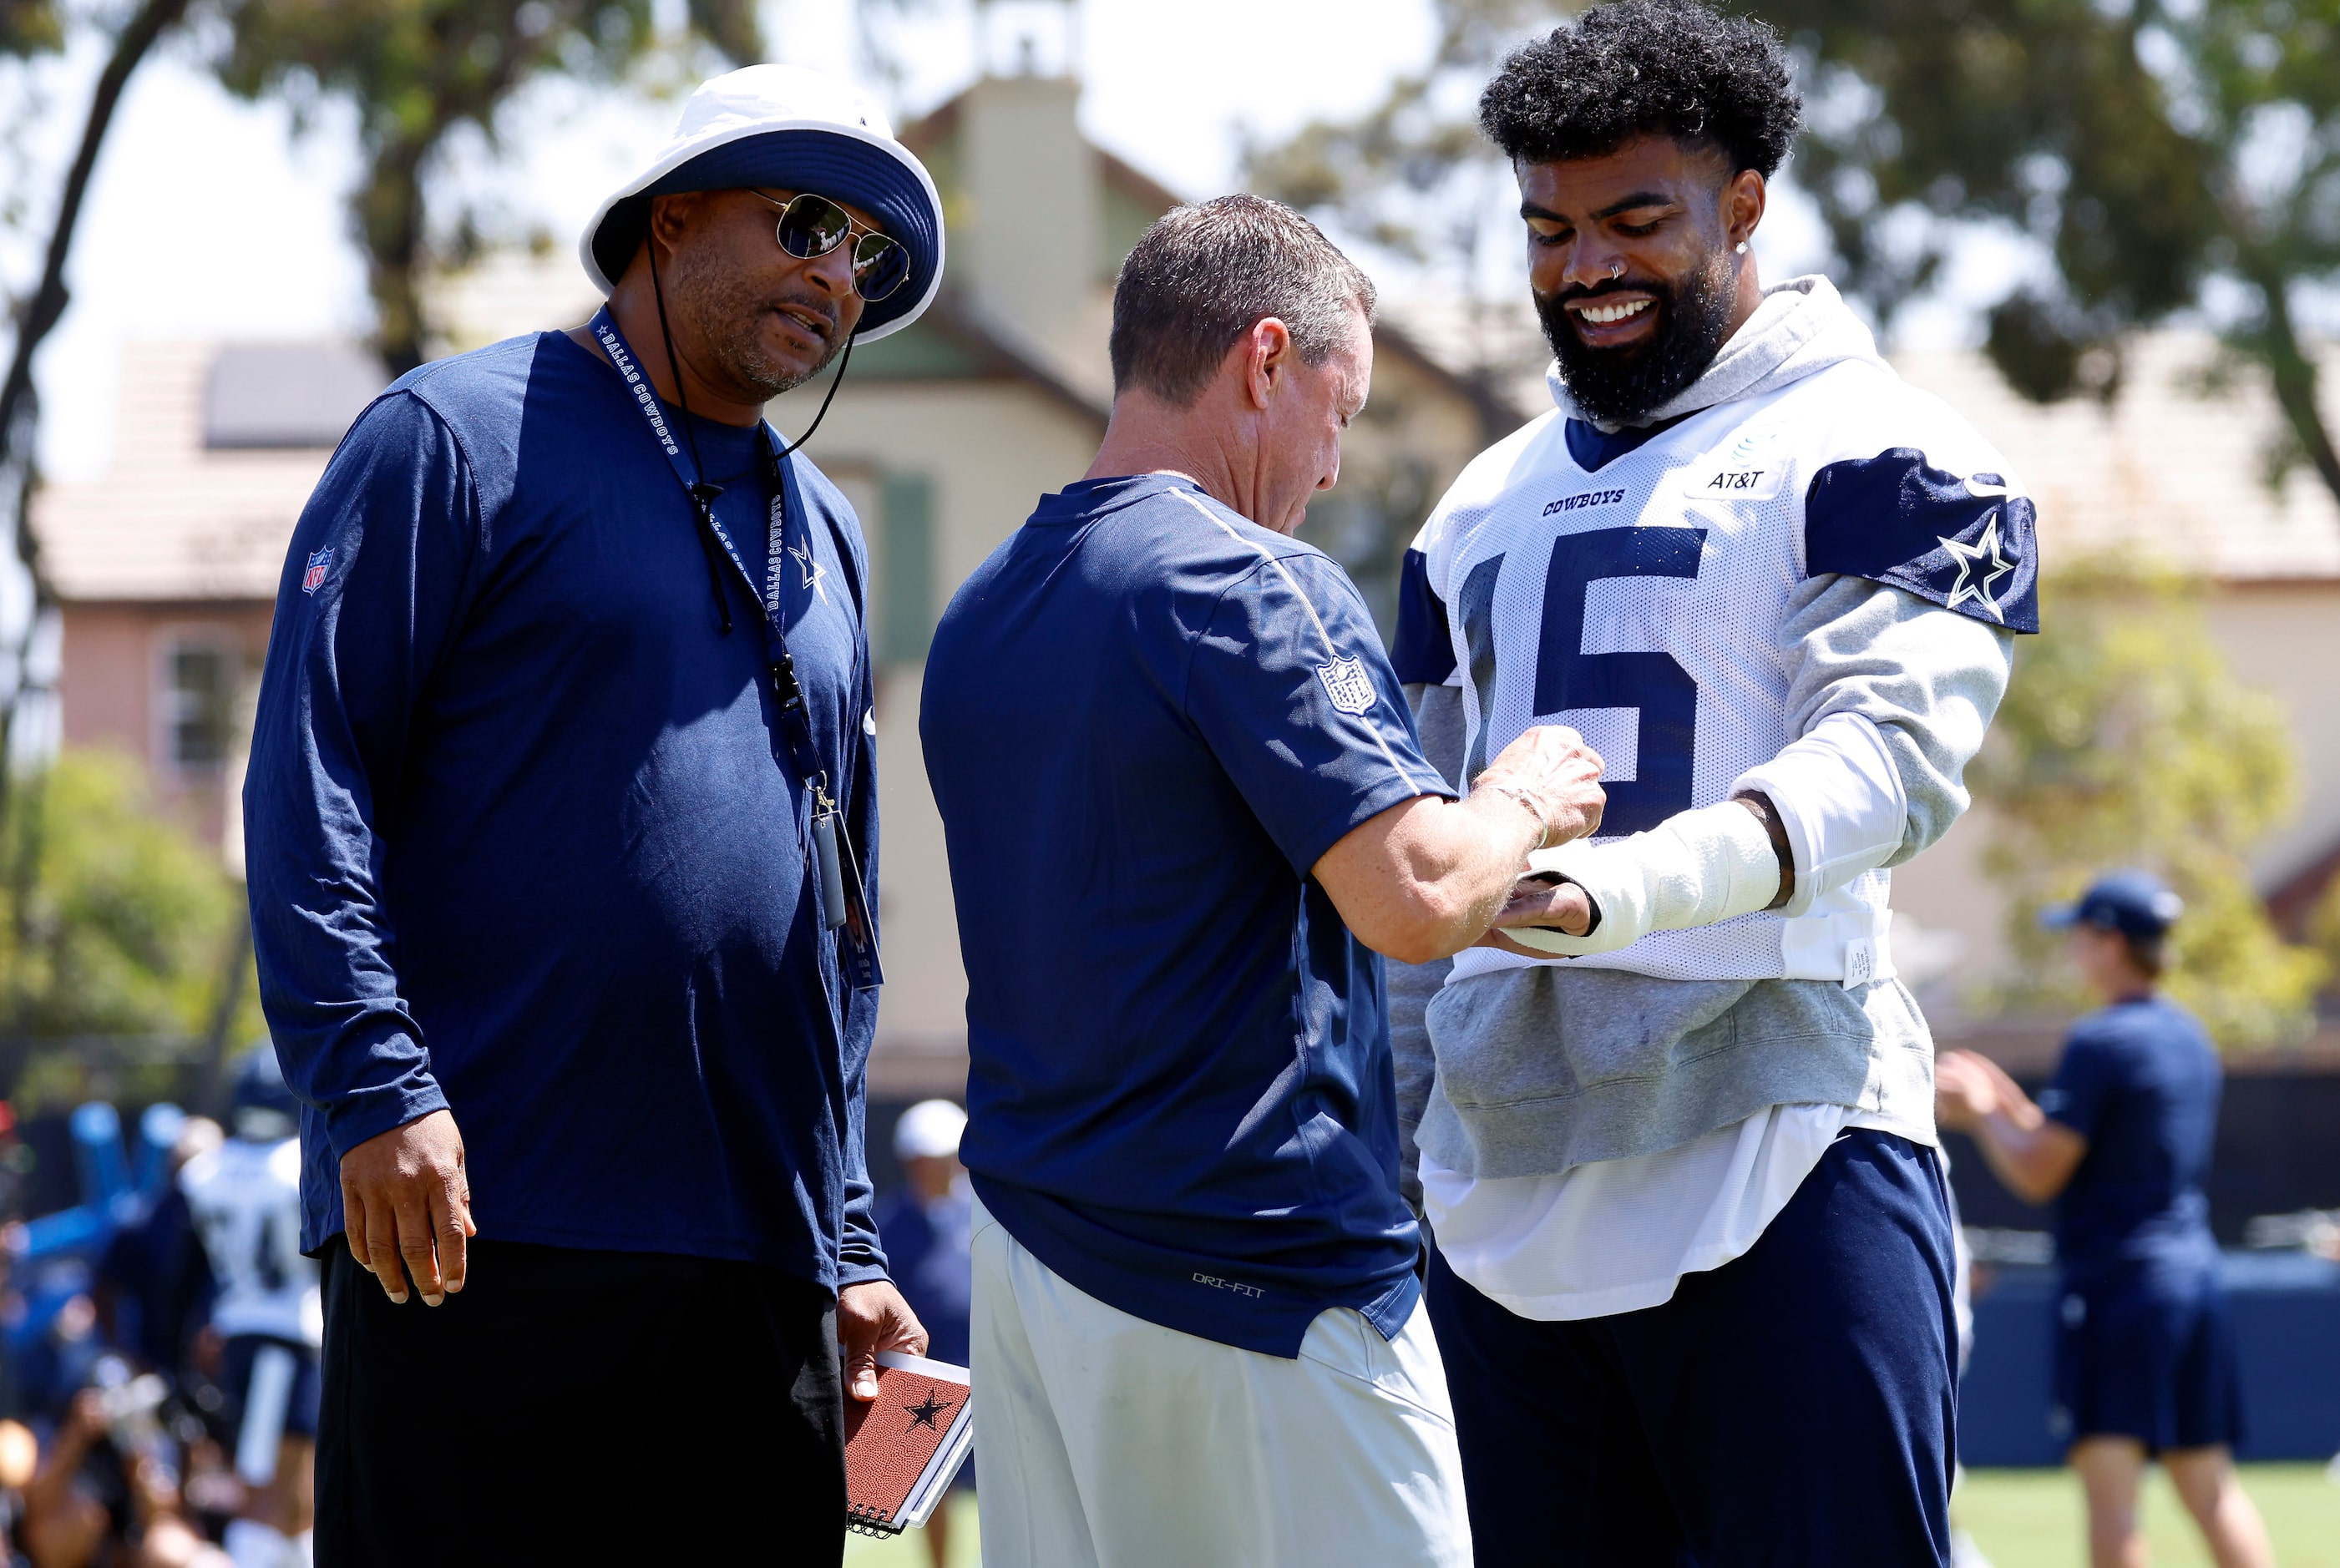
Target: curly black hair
x=1678, y=68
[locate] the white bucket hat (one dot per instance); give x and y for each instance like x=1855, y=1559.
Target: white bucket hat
x=799, y=130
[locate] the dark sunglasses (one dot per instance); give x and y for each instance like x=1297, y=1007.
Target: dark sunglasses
x=814, y=225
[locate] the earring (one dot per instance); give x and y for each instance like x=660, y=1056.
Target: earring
x=1741, y=247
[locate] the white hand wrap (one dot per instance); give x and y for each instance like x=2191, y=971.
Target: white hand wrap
x=1695, y=868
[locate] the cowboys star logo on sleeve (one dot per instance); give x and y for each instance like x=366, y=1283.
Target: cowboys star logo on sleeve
x=1969, y=544
x=1980, y=566
x=318, y=564
x=1345, y=680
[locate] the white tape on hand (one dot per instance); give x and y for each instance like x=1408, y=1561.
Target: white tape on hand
x=1694, y=868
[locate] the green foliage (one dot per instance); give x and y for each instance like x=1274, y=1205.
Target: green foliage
x=31, y=27
x=2155, y=149
x=113, y=921
x=2125, y=741
x=415, y=70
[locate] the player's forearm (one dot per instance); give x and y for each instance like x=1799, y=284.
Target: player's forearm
x=1695, y=868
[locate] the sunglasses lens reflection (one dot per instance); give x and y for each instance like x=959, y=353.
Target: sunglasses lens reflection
x=880, y=267
x=813, y=226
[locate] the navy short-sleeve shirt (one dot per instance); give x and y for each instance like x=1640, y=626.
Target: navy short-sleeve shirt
x=1146, y=719
x=2141, y=1082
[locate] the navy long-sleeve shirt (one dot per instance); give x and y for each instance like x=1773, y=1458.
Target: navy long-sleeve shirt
x=517, y=841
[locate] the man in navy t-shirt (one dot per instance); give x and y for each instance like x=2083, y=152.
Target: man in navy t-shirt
x=1185, y=805
x=2121, y=1139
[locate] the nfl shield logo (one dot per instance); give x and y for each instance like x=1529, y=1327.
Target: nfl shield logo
x=319, y=564
x=1345, y=680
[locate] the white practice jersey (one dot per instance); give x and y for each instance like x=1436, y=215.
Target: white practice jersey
x=1641, y=593
x=246, y=1201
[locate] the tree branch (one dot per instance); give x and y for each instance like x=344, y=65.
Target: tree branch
x=38, y=316
x=41, y=312
x=2294, y=375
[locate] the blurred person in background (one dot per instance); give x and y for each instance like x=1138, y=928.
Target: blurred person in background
x=2120, y=1142
x=925, y=1227
x=102, y=1493
x=154, y=1288
x=267, y=1317
x=562, y=823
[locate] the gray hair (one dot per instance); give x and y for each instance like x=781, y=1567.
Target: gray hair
x=1203, y=276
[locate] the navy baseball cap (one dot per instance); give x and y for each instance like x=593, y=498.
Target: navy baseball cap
x=2134, y=902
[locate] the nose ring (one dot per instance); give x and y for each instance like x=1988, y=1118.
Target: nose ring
x=1616, y=269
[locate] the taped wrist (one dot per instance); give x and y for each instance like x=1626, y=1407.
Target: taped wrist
x=1695, y=868
x=1839, y=795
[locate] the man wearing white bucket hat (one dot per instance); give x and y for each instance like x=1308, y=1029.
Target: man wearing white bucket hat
x=562, y=833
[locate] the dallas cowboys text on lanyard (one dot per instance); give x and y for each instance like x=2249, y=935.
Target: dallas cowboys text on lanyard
x=842, y=902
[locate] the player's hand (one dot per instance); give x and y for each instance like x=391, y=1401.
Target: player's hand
x=870, y=1318
x=1552, y=762
x=1965, y=1090
x=1537, y=901
x=405, y=1196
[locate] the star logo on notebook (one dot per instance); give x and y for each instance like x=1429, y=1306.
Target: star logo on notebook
x=927, y=1411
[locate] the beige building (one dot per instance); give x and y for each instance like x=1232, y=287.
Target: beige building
x=166, y=564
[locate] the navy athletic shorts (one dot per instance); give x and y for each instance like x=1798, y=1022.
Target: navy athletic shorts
x=2151, y=1358
x=299, y=1418
x=1793, y=1409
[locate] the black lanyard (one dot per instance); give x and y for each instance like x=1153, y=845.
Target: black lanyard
x=842, y=902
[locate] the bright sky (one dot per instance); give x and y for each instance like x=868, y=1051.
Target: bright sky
x=209, y=219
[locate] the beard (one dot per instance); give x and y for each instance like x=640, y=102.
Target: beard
x=1616, y=387
x=726, y=311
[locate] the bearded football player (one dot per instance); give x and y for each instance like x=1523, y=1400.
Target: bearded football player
x=1693, y=1262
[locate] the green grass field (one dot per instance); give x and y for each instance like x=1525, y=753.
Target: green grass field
x=2020, y=1518
x=2033, y=1518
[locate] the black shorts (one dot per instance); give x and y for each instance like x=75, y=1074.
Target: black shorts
x=573, y=1405
x=2149, y=1359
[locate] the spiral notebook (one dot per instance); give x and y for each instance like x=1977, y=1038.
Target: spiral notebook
x=902, y=1448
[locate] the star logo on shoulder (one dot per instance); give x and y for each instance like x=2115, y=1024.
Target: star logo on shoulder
x=1980, y=566
x=927, y=1411
x=812, y=570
